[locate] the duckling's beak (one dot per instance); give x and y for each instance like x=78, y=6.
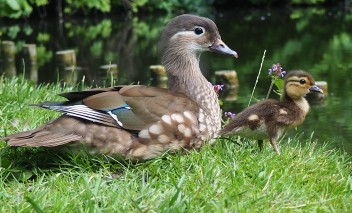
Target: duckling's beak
x=220, y=47
x=315, y=88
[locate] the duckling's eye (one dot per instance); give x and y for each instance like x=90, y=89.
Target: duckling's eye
x=198, y=30
x=302, y=81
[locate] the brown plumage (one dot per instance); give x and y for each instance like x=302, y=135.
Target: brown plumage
x=269, y=119
x=139, y=122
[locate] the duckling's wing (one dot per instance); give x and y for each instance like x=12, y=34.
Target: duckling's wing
x=290, y=118
x=252, y=119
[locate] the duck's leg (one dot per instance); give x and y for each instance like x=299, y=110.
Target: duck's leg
x=273, y=144
x=260, y=145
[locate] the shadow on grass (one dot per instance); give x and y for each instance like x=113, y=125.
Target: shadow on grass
x=24, y=164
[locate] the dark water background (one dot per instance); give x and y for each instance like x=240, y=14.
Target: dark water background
x=318, y=40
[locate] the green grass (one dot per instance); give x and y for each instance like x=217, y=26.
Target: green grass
x=225, y=177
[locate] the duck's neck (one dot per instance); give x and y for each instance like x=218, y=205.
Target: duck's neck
x=185, y=76
x=300, y=102
x=183, y=72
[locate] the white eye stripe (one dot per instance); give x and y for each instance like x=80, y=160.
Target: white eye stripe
x=183, y=33
x=189, y=32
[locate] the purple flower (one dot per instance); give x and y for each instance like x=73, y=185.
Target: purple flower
x=283, y=73
x=229, y=115
x=270, y=71
x=276, y=70
x=274, y=67
x=218, y=87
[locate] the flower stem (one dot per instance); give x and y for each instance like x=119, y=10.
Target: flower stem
x=270, y=88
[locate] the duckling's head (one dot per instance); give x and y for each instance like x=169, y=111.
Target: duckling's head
x=189, y=34
x=298, y=83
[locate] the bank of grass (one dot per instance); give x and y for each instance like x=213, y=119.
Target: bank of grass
x=225, y=177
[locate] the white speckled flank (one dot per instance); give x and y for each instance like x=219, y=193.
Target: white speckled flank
x=144, y=134
x=155, y=129
x=166, y=119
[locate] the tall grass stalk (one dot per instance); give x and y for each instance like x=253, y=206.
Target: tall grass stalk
x=257, y=79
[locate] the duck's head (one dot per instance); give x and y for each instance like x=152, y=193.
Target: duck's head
x=298, y=83
x=190, y=34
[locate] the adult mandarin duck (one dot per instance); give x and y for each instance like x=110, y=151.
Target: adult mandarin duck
x=139, y=122
x=269, y=119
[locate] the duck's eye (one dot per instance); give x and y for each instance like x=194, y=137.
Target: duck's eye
x=198, y=30
x=302, y=81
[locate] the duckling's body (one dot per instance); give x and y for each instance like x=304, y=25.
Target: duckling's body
x=269, y=119
x=139, y=122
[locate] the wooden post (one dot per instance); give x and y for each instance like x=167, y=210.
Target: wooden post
x=8, y=53
x=30, y=61
x=229, y=79
x=158, y=76
x=229, y=94
x=323, y=85
x=316, y=98
x=108, y=73
x=67, y=66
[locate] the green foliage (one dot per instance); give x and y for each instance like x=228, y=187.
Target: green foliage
x=43, y=37
x=199, y=7
x=13, y=31
x=87, y=5
x=279, y=83
x=44, y=55
x=90, y=33
x=39, y=2
x=96, y=48
x=15, y=8
x=94, y=36
x=27, y=30
x=135, y=5
x=24, y=8
x=309, y=2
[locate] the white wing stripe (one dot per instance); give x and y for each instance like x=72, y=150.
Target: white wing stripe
x=84, y=112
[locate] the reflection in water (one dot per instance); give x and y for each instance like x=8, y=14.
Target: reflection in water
x=316, y=40
x=29, y=56
x=8, y=51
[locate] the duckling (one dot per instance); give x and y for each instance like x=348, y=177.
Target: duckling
x=138, y=122
x=269, y=119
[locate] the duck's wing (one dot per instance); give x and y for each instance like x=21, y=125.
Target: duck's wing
x=136, y=107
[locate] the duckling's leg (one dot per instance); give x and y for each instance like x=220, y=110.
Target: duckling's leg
x=273, y=131
x=260, y=144
x=273, y=144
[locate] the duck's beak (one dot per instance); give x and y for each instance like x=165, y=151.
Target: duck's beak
x=315, y=88
x=220, y=47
